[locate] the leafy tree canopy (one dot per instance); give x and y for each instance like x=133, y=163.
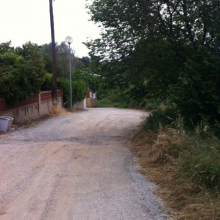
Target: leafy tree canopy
x=21, y=71
x=62, y=59
x=166, y=49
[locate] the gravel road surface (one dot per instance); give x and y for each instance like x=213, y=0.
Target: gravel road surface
x=76, y=166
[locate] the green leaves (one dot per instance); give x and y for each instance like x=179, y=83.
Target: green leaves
x=195, y=91
x=78, y=89
x=21, y=72
x=167, y=50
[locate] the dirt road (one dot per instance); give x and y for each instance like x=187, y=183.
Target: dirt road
x=75, y=167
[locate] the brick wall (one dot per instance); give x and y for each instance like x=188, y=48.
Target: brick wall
x=35, y=106
x=46, y=96
x=33, y=100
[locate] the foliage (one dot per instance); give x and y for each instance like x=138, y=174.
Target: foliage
x=86, y=61
x=195, y=92
x=63, y=84
x=197, y=151
x=62, y=59
x=86, y=75
x=6, y=47
x=21, y=72
x=78, y=89
x=166, y=117
x=36, y=65
x=108, y=102
x=105, y=102
x=191, y=164
x=47, y=82
x=160, y=50
x=200, y=162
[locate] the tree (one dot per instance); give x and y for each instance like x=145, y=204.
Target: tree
x=21, y=72
x=62, y=57
x=78, y=89
x=166, y=49
x=86, y=75
x=86, y=61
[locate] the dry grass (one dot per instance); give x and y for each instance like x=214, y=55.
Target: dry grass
x=57, y=110
x=185, y=199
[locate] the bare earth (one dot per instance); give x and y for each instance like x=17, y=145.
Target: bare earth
x=77, y=166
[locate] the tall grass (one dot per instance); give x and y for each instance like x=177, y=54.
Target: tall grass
x=185, y=163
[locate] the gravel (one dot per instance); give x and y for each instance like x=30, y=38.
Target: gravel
x=77, y=166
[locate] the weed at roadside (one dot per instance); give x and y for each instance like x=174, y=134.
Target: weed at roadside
x=57, y=110
x=185, y=167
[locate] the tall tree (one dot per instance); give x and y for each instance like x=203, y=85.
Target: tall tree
x=166, y=49
x=62, y=57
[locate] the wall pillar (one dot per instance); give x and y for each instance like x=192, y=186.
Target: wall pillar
x=39, y=104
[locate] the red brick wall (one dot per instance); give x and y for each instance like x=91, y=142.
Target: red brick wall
x=33, y=100
x=46, y=96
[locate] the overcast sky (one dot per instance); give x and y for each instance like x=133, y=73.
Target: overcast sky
x=29, y=20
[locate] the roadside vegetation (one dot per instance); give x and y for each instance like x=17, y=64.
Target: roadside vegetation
x=21, y=72
x=78, y=89
x=183, y=162
x=105, y=102
x=158, y=55
x=163, y=56
x=26, y=70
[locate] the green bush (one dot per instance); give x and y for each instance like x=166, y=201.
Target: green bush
x=78, y=89
x=16, y=81
x=63, y=84
x=166, y=117
x=20, y=76
x=197, y=151
x=196, y=93
x=200, y=161
x=47, y=82
x=111, y=102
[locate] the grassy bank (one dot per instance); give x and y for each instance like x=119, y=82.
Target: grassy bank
x=117, y=103
x=185, y=165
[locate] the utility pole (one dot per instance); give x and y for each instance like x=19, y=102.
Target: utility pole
x=53, y=54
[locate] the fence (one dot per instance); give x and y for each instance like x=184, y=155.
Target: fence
x=36, y=106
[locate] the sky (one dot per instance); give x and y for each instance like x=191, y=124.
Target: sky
x=28, y=20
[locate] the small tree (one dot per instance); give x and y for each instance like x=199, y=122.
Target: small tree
x=21, y=72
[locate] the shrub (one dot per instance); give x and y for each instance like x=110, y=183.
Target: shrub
x=47, y=82
x=186, y=167
x=20, y=76
x=63, y=84
x=78, y=89
x=200, y=162
x=197, y=152
x=160, y=117
x=15, y=79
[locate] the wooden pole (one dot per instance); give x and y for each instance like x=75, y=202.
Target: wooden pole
x=53, y=54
